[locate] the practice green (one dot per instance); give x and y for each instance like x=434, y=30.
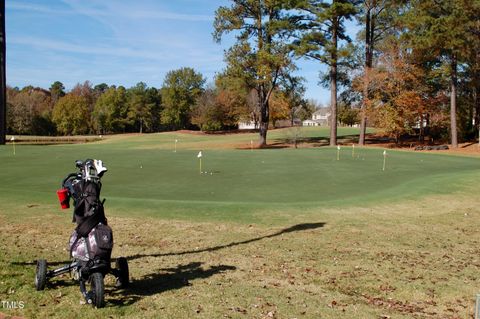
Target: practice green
x=146, y=177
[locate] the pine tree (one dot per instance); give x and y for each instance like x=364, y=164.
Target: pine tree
x=439, y=29
x=322, y=33
x=377, y=18
x=261, y=54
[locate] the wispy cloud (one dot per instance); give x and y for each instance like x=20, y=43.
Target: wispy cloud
x=56, y=45
x=168, y=16
x=115, y=9
x=118, y=42
x=19, y=6
x=161, y=52
x=107, y=11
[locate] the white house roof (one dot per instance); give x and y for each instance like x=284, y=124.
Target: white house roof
x=324, y=111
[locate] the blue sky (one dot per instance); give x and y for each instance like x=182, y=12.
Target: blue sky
x=120, y=42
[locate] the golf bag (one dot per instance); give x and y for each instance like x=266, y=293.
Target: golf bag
x=91, y=242
x=97, y=244
x=92, y=239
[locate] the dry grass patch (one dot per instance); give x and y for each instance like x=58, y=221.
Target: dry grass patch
x=411, y=260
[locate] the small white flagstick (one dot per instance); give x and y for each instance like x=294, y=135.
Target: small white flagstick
x=200, y=158
x=176, y=145
x=13, y=142
x=251, y=145
x=338, y=152
x=384, y=158
x=353, y=150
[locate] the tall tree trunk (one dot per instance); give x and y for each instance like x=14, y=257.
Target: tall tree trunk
x=333, y=107
x=476, y=93
x=363, y=126
x=3, y=83
x=471, y=115
x=476, y=97
x=453, y=103
x=421, y=137
x=333, y=86
x=264, y=119
x=427, y=127
x=368, y=65
x=264, y=111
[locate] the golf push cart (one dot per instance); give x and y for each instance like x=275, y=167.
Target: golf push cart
x=91, y=242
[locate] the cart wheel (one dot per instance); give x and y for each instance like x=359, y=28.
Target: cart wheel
x=97, y=289
x=121, y=264
x=41, y=274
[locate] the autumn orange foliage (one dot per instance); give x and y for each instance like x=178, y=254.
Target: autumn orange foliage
x=399, y=101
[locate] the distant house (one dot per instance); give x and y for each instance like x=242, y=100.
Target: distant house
x=247, y=125
x=321, y=117
x=422, y=122
x=250, y=125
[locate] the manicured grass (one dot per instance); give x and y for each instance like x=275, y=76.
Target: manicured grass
x=276, y=233
x=238, y=184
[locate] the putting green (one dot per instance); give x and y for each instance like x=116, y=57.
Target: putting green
x=146, y=178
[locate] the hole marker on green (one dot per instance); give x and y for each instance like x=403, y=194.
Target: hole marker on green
x=200, y=160
x=13, y=142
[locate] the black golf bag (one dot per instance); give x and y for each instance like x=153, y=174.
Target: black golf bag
x=92, y=239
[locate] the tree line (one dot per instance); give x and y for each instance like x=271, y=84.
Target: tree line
x=183, y=102
x=412, y=68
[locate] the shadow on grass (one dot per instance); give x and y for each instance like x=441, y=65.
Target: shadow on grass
x=270, y=146
x=173, y=278
x=295, y=228
x=319, y=141
x=59, y=282
x=164, y=279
